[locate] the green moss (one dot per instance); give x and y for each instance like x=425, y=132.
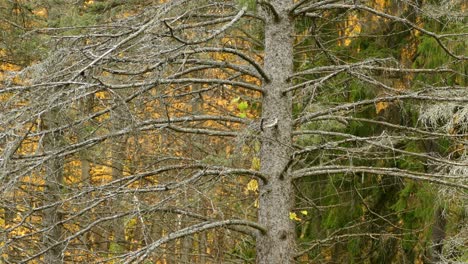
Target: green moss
x=250, y=4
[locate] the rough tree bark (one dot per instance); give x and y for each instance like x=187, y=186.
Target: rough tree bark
x=52, y=194
x=120, y=118
x=276, y=196
x=438, y=235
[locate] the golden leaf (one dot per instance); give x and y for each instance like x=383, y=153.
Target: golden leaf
x=252, y=186
x=293, y=216
x=380, y=106
x=255, y=164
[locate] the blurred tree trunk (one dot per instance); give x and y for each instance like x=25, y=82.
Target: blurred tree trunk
x=120, y=118
x=438, y=235
x=52, y=215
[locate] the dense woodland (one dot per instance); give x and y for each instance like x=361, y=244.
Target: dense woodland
x=244, y=131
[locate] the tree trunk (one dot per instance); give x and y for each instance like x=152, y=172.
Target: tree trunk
x=52, y=192
x=438, y=235
x=276, y=196
x=186, y=250
x=202, y=244
x=8, y=216
x=119, y=119
x=118, y=157
x=87, y=108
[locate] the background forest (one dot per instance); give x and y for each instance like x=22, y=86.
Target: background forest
x=204, y=131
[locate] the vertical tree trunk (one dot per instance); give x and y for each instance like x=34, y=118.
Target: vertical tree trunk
x=438, y=235
x=8, y=216
x=186, y=250
x=52, y=192
x=87, y=108
x=202, y=244
x=9, y=210
x=118, y=156
x=85, y=178
x=186, y=245
x=276, y=197
x=120, y=118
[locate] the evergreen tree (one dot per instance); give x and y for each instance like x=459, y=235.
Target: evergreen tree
x=235, y=131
